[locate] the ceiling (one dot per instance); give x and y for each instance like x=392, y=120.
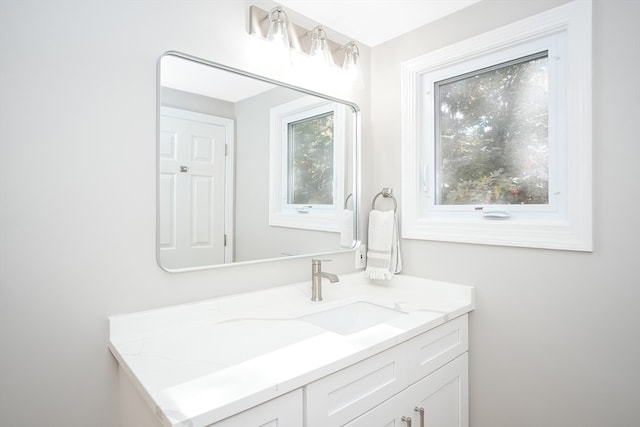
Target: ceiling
x=372, y=22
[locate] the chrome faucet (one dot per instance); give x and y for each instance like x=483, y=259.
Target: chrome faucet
x=316, y=279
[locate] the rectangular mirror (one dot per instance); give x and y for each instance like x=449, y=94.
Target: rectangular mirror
x=250, y=169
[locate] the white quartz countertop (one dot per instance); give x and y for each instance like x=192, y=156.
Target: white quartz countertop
x=199, y=363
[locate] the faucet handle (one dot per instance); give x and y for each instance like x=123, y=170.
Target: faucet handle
x=319, y=261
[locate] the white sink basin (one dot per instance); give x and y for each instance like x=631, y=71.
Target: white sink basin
x=351, y=318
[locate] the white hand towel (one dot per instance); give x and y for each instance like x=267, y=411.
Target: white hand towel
x=383, y=252
x=346, y=229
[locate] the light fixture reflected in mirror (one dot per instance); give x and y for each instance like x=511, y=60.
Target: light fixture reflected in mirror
x=320, y=47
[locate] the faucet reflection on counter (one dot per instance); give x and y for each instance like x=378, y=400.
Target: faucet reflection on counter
x=316, y=279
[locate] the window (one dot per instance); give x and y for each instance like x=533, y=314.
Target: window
x=307, y=140
x=496, y=143
x=491, y=139
x=493, y=150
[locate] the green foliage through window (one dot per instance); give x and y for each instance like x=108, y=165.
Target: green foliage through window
x=311, y=161
x=492, y=135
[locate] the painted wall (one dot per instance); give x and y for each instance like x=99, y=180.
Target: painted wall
x=554, y=338
x=174, y=98
x=255, y=238
x=77, y=190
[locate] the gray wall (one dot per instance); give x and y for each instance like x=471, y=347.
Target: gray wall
x=554, y=338
x=193, y=102
x=77, y=191
x=255, y=238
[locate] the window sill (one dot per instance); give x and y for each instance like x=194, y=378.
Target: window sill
x=305, y=221
x=508, y=232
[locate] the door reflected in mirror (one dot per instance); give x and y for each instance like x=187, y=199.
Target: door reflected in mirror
x=250, y=169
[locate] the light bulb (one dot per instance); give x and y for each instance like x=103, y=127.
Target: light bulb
x=278, y=32
x=320, y=47
x=351, y=64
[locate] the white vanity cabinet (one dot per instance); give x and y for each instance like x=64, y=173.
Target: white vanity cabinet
x=429, y=371
x=283, y=411
x=263, y=359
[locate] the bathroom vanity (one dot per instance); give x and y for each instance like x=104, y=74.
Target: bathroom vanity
x=369, y=354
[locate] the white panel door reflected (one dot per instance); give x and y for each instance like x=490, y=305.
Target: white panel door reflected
x=192, y=177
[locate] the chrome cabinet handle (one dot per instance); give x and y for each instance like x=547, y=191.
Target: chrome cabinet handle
x=407, y=420
x=184, y=168
x=421, y=412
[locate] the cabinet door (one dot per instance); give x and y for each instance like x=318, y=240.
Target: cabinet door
x=443, y=396
x=283, y=411
x=438, y=400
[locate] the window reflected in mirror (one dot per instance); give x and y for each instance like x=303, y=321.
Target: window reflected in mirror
x=311, y=156
x=308, y=152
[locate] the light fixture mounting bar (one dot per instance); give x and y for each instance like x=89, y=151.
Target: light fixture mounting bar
x=299, y=37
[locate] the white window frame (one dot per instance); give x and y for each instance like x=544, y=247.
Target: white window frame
x=308, y=217
x=566, y=223
x=556, y=208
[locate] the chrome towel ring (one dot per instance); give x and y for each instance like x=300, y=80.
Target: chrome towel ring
x=347, y=200
x=385, y=193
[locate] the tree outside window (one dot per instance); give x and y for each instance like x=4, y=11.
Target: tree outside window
x=492, y=135
x=311, y=161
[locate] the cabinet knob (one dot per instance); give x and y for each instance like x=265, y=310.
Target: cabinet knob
x=421, y=412
x=407, y=420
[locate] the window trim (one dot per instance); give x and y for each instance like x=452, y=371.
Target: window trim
x=281, y=213
x=574, y=230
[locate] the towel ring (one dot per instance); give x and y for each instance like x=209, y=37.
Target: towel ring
x=347, y=200
x=386, y=193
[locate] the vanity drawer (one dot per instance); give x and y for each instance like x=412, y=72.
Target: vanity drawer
x=434, y=348
x=340, y=397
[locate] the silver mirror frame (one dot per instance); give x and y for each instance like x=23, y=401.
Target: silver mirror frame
x=356, y=156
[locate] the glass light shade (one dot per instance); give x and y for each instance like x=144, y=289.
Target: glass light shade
x=278, y=32
x=351, y=62
x=320, y=47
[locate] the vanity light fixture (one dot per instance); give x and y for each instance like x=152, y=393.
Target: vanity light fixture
x=275, y=26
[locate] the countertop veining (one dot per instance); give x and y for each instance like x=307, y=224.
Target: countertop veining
x=201, y=362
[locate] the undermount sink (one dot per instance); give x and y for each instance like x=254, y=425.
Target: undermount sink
x=351, y=318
